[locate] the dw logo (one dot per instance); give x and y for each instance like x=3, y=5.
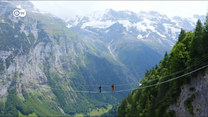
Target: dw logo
x=19, y=13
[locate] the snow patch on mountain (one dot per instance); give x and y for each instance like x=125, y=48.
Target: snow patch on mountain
x=19, y=6
x=141, y=26
x=144, y=25
x=140, y=37
x=161, y=34
x=171, y=30
x=126, y=24
x=69, y=26
x=128, y=12
x=97, y=24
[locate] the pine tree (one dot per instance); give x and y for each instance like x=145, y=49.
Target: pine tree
x=197, y=44
x=198, y=30
x=206, y=25
x=182, y=35
x=205, y=39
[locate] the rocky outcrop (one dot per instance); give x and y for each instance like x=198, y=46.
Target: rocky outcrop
x=198, y=87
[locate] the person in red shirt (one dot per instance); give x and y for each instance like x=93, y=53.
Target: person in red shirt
x=113, y=88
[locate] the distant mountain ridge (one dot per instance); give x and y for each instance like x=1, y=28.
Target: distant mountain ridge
x=149, y=27
x=151, y=30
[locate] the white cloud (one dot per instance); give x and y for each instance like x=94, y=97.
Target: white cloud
x=66, y=9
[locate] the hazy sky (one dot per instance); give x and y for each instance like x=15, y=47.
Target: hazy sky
x=67, y=9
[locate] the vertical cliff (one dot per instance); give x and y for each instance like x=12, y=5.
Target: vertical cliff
x=193, y=99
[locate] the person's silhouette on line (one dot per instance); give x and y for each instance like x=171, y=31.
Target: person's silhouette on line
x=100, y=88
x=113, y=88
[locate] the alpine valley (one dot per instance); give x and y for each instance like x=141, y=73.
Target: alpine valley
x=53, y=67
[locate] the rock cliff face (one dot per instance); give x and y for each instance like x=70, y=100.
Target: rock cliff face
x=197, y=89
x=43, y=65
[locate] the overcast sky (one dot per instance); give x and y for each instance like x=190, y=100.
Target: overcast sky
x=65, y=9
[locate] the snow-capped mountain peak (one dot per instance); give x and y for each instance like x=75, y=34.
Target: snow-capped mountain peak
x=143, y=26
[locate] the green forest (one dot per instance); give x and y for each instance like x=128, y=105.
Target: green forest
x=52, y=66
x=190, y=52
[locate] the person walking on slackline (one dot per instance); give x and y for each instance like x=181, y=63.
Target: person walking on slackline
x=113, y=88
x=100, y=88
